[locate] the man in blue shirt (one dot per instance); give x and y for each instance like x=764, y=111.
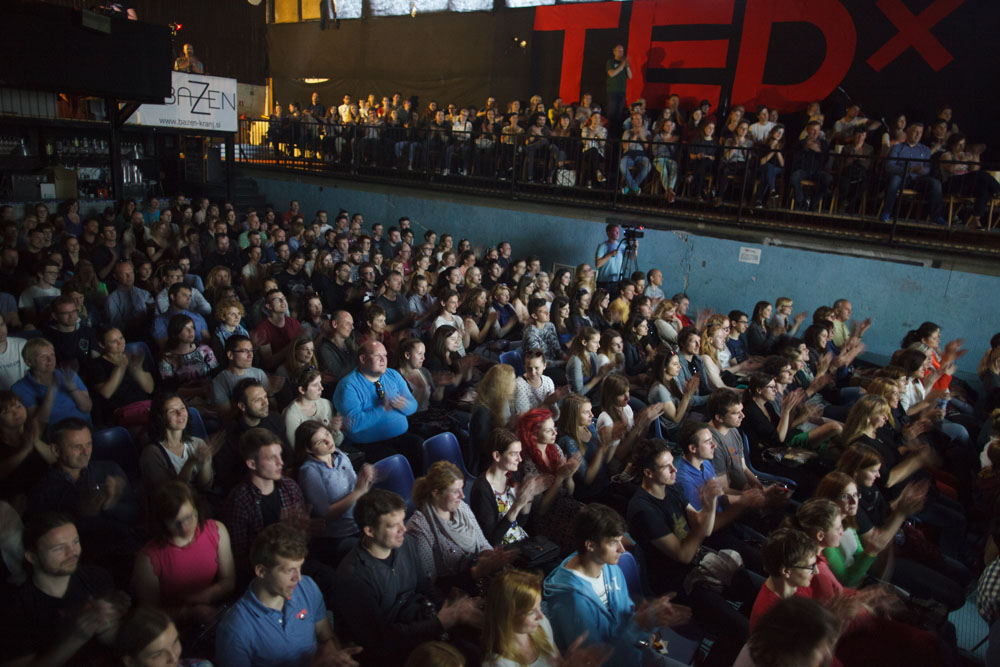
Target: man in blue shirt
x=608, y=259
x=694, y=470
x=50, y=394
x=913, y=158
x=179, y=295
x=281, y=619
x=375, y=401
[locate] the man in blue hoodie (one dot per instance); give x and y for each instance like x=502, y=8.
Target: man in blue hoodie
x=587, y=594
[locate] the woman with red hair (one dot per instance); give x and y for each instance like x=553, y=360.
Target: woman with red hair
x=542, y=456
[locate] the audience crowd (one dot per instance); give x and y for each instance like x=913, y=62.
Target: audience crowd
x=846, y=164
x=207, y=417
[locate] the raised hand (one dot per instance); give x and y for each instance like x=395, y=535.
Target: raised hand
x=663, y=613
x=366, y=477
x=569, y=468
x=532, y=486
x=710, y=492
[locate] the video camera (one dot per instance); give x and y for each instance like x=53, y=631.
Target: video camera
x=636, y=232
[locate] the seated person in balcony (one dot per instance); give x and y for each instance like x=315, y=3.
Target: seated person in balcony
x=855, y=166
x=510, y=144
x=536, y=144
x=435, y=139
x=844, y=129
x=701, y=157
x=809, y=163
x=179, y=296
x=962, y=176
x=634, y=154
x=374, y=402
x=761, y=130
x=738, y=151
x=594, y=136
x=664, y=150
x=50, y=394
x=909, y=166
x=461, y=141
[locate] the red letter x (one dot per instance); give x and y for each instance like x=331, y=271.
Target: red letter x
x=914, y=31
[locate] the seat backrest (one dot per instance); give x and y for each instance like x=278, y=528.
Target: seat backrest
x=115, y=444
x=393, y=473
x=762, y=476
x=631, y=571
x=143, y=349
x=444, y=447
x=198, y=429
x=513, y=358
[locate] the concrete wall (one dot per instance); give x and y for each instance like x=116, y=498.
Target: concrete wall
x=897, y=296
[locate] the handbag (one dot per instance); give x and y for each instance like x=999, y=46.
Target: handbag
x=566, y=177
x=536, y=551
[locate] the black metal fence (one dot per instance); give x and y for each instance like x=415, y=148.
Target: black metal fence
x=702, y=178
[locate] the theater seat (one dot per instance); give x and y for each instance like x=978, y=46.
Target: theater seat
x=513, y=358
x=445, y=447
x=393, y=473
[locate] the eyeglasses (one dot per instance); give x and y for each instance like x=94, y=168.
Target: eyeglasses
x=814, y=568
x=379, y=391
x=845, y=497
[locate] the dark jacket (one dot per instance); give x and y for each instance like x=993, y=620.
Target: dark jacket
x=389, y=607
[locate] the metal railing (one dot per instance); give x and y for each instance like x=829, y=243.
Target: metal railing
x=735, y=183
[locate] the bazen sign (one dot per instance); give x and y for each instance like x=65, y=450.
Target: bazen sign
x=196, y=102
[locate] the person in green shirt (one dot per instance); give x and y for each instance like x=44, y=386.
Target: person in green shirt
x=619, y=72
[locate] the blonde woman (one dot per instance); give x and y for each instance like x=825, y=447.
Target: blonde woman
x=517, y=633
x=493, y=409
x=666, y=322
x=712, y=343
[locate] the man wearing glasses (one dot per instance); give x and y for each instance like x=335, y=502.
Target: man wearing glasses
x=36, y=298
x=75, y=342
x=375, y=401
x=276, y=331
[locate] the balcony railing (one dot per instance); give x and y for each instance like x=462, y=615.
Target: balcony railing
x=828, y=194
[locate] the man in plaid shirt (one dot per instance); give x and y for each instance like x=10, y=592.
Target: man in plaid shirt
x=263, y=498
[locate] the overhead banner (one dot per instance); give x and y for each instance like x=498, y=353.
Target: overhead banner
x=196, y=102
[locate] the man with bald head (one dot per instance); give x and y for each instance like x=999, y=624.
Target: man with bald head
x=374, y=401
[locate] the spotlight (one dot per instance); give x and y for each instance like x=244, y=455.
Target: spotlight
x=518, y=42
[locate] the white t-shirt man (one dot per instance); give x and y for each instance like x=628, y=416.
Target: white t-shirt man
x=12, y=366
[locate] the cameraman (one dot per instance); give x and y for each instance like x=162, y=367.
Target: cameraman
x=608, y=259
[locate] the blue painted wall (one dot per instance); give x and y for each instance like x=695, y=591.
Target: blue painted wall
x=897, y=297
